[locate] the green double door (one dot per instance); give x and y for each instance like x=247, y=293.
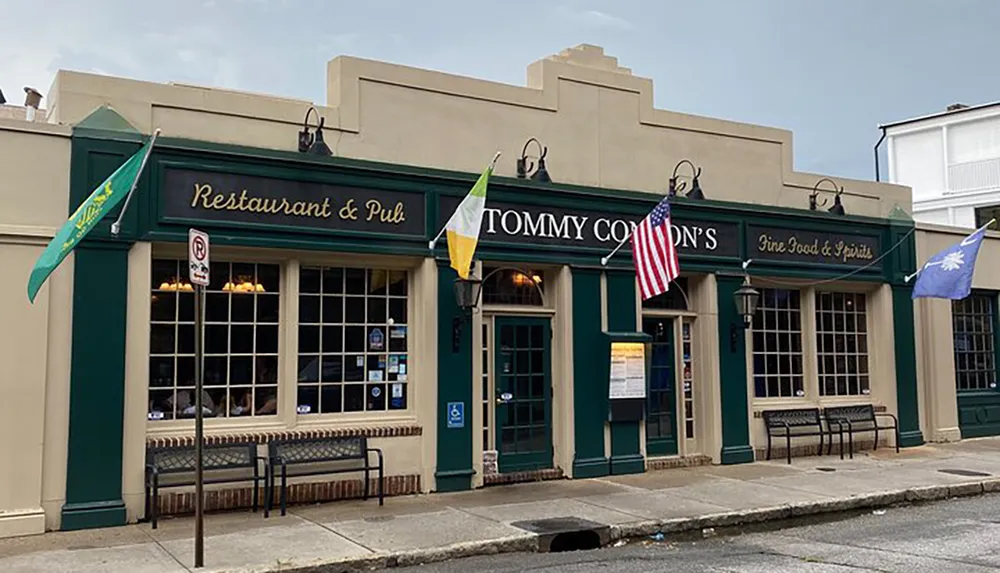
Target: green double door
x=523, y=393
x=661, y=400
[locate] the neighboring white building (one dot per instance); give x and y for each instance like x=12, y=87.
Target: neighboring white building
x=952, y=161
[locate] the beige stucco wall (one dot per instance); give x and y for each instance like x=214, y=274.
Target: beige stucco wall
x=596, y=118
x=34, y=349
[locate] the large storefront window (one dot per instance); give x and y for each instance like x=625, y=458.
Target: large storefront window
x=241, y=341
x=777, y=345
x=842, y=344
x=972, y=323
x=352, y=354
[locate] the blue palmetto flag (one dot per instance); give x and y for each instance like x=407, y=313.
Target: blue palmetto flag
x=948, y=274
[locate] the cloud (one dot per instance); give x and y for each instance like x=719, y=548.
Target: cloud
x=599, y=19
x=593, y=19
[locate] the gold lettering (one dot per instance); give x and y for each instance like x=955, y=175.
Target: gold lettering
x=325, y=211
x=201, y=192
x=349, y=211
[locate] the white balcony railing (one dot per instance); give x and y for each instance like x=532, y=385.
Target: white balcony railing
x=974, y=176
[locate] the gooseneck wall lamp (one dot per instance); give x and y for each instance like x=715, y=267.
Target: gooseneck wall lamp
x=313, y=143
x=837, y=208
x=467, y=294
x=524, y=165
x=746, y=299
x=677, y=186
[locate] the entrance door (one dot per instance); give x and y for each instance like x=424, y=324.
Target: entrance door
x=523, y=393
x=661, y=420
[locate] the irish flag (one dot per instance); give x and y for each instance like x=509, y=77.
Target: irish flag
x=463, y=227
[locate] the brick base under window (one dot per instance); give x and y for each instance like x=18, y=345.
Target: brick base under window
x=804, y=450
x=179, y=503
x=678, y=462
x=522, y=477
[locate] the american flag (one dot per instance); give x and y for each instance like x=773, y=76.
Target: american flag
x=654, y=253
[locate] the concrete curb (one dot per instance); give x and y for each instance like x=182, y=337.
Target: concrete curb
x=529, y=541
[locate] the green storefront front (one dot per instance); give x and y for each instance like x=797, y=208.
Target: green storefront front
x=538, y=377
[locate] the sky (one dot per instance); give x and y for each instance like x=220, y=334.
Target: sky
x=828, y=70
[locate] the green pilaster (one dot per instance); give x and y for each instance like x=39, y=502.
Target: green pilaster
x=454, y=445
x=97, y=388
x=626, y=455
x=906, y=367
x=590, y=392
x=736, y=447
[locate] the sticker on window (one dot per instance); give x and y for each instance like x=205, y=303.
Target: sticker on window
x=375, y=376
x=376, y=340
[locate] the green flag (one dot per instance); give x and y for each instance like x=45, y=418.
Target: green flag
x=91, y=211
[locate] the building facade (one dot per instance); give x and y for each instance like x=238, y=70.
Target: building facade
x=951, y=160
x=329, y=315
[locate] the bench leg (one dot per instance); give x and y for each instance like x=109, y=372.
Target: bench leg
x=769, y=445
x=821, y=439
x=895, y=430
x=267, y=491
x=154, y=507
x=381, y=483
x=284, y=487
x=850, y=441
x=145, y=515
x=788, y=447
x=876, y=437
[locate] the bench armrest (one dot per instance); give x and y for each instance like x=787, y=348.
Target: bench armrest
x=888, y=415
x=378, y=451
x=840, y=421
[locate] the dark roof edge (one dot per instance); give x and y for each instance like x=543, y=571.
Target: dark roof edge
x=938, y=114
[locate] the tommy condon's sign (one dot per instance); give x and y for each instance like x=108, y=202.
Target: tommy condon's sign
x=525, y=224
x=225, y=197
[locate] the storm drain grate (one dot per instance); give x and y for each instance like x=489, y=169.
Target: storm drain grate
x=560, y=534
x=966, y=473
x=827, y=469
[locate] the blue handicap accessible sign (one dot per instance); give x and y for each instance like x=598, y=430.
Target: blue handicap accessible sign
x=456, y=414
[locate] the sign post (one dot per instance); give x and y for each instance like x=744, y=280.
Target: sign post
x=198, y=272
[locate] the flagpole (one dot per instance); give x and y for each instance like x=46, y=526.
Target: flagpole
x=604, y=260
x=431, y=244
x=908, y=278
x=116, y=227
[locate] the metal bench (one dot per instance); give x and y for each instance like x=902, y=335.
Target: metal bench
x=221, y=463
x=321, y=456
x=861, y=418
x=796, y=423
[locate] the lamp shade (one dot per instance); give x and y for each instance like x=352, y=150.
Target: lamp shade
x=746, y=299
x=467, y=292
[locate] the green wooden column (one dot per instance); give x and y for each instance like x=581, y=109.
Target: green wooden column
x=626, y=455
x=454, y=444
x=736, y=447
x=97, y=388
x=908, y=408
x=590, y=392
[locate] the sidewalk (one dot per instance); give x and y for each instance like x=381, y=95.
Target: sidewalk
x=420, y=529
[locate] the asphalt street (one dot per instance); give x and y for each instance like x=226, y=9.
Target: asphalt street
x=960, y=536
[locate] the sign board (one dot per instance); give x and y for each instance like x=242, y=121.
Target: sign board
x=527, y=224
x=198, y=257
x=456, y=414
x=225, y=197
x=796, y=246
x=628, y=370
